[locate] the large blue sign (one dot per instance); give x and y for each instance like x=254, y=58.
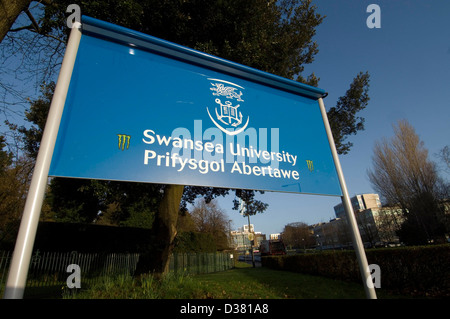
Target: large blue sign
x=145, y=110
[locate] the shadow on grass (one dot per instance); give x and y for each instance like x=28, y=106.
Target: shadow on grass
x=267, y=283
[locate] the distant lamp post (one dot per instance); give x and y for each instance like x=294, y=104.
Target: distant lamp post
x=251, y=237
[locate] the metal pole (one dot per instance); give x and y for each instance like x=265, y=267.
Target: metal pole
x=20, y=262
x=356, y=237
x=251, y=241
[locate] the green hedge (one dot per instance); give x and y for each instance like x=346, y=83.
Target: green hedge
x=193, y=242
x=421, y=271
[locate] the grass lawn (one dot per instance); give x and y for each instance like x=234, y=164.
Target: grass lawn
x=268, y=284
x=264, y=283
x=237, y=283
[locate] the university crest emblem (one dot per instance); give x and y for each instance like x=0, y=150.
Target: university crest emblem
x=228, y=98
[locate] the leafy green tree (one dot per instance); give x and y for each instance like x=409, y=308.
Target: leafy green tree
x=14, y=183
x=343, y=117
x=133, y=204
x=251, y=206
x=37, y=115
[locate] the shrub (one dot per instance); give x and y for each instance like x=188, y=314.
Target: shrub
x=422, y=271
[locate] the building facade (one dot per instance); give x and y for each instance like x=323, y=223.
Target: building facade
x=243, y=238
x=359, y=203
x=377, y=225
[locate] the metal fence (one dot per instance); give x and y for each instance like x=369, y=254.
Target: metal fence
x=200, y=263
x=50, y=268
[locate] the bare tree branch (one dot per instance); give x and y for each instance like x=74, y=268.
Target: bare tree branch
x=33, y=21
x=27, y=27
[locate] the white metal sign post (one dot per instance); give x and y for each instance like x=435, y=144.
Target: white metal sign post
x=356, y=237
x=20, y=262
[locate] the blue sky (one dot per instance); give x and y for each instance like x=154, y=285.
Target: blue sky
x=408, y=60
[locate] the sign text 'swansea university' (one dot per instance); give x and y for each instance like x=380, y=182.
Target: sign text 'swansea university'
x=145, y=110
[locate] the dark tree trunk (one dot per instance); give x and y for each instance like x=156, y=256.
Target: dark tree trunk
x=9, y=11
x=156, y=261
